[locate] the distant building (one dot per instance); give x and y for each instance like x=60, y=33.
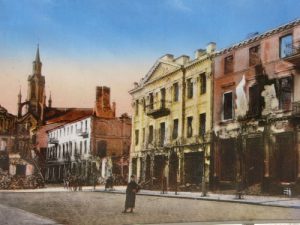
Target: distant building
x=98, y=142
x=171, y=130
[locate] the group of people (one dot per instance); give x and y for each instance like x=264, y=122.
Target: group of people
x=74, y=182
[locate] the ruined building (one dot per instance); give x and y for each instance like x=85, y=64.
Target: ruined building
x=95, y=144
x=7, y=131
x=256, y=111
x=171, y=130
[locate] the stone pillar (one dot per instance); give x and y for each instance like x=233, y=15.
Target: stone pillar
x=138, y=168
x=181, y=167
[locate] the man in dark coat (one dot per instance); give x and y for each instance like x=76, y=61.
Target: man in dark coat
x=132, y=189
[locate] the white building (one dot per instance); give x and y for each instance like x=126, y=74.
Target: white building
x=69, y=149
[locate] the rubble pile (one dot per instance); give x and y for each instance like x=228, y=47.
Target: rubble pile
x=20, y=182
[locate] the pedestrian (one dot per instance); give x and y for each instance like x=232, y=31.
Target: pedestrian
x=131, y=190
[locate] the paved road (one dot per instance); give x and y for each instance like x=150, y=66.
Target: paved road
x=97, y=208
x=14, y=216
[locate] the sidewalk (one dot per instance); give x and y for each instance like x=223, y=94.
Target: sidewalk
x=247, y=199
x=15, y=216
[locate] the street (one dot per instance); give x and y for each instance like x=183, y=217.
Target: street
x=80, y=208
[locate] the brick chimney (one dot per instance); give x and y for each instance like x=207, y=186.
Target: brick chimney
x=102, y=104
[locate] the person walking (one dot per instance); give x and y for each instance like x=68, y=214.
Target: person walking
x=131, y=190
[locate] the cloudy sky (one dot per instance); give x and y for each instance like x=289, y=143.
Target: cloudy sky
x=115, y=42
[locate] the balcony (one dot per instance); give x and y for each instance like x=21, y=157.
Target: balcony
x=82, y=133
x=292, y=52
x=53, y=141
x=157, y=110
x=296, y=109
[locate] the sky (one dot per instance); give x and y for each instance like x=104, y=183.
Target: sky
x=88, y=43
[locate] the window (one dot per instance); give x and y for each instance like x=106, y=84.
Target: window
x=85, y=147
x=175, y=92
x=150, y=138
x=255, y=104
x=80, y=148
x=143, y=135
x=162, y=133
x=254, y=55
x=202, y=83
x=227, y=106
x=136, y=107
x=286, y=46
x=151, y=100
x=285, y=93
x=228, y=64
x=189, y=88
x=202, y=127
x=175, y=129
x=163, y=97
x=190, y=126
x=136, y=137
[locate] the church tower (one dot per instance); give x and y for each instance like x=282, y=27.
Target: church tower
x=36, y=87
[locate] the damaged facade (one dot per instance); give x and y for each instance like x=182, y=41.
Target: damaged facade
x=171, y=131
x=98, y=142
x=256, y=111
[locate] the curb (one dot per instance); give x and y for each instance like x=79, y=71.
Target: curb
x=204, y=199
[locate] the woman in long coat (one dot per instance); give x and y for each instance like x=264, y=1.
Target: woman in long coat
x=131, y=190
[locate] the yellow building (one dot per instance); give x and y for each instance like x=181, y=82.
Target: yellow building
x=172, y=122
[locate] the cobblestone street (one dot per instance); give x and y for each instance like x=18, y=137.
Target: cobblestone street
x=80, y=208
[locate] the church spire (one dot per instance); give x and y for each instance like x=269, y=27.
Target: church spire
x=37, y=55
x=50, y=101
x=37, y=65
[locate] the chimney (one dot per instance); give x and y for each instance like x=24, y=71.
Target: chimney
x=168, y=57
x=211, y=47
x=102, y=104
x=199, y=53
x=182, y=59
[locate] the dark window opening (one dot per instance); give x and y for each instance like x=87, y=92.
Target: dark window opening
x=143, y=135
x=227, y=160
x=150, y=138
x=285, y=93
x=151, y=100
x=202, y=127
x=134, y=166
x=136, y=137
x=228, y=64
x=175, y=92
x=202, y=83
x=228, y=106
x=193, y=167
x=189, y=88
x=162, y=134
x=163, y=97
x=102, y=149
x=254, y=55
x=286, y=43
x=21, y=170
x=255, y=102
x=175, y=129
x=190, y=126
x=285, y=158
x=136, y=107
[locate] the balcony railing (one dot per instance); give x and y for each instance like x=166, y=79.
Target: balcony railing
x=53, y=141
x=82, y=133
x=158, y=109
x=292, y=53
